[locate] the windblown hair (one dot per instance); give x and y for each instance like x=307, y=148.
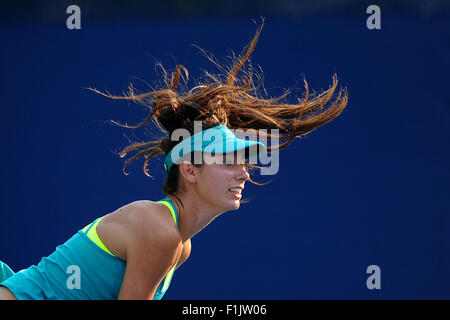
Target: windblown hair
x=229, y=100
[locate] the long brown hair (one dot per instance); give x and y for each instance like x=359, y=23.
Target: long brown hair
x=226, y=99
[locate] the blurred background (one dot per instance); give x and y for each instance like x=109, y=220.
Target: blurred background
x=370, y=188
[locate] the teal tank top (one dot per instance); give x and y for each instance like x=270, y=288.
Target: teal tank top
x=79, y=269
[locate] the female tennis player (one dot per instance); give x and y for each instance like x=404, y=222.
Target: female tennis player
x=132, y=253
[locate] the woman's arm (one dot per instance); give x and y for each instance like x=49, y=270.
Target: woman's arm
x=152, y=250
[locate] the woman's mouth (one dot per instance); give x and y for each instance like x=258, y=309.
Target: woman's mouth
x=237, y=192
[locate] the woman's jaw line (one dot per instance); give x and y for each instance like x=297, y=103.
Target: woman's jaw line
x=193, y=216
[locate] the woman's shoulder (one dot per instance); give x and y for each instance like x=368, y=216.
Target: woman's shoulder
x=149, y=219
x=135, y=224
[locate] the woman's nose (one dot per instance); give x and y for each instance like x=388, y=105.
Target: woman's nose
x=243, y=173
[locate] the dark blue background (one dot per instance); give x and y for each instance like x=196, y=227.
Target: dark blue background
x=369, y=188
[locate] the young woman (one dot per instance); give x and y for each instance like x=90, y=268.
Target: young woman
x=132, y=253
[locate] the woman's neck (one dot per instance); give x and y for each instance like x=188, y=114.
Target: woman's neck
x=193, y=215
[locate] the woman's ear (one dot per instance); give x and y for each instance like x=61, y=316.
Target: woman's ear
x=188, y=171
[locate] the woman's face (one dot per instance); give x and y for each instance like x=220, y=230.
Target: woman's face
x=217, y=176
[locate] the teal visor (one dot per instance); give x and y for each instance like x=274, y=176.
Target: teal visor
x=216, y=140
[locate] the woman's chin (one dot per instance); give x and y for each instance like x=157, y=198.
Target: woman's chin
x=237, y=204
x=233, y=205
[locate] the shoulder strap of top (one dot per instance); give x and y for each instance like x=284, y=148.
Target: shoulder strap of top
x=172, y=208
